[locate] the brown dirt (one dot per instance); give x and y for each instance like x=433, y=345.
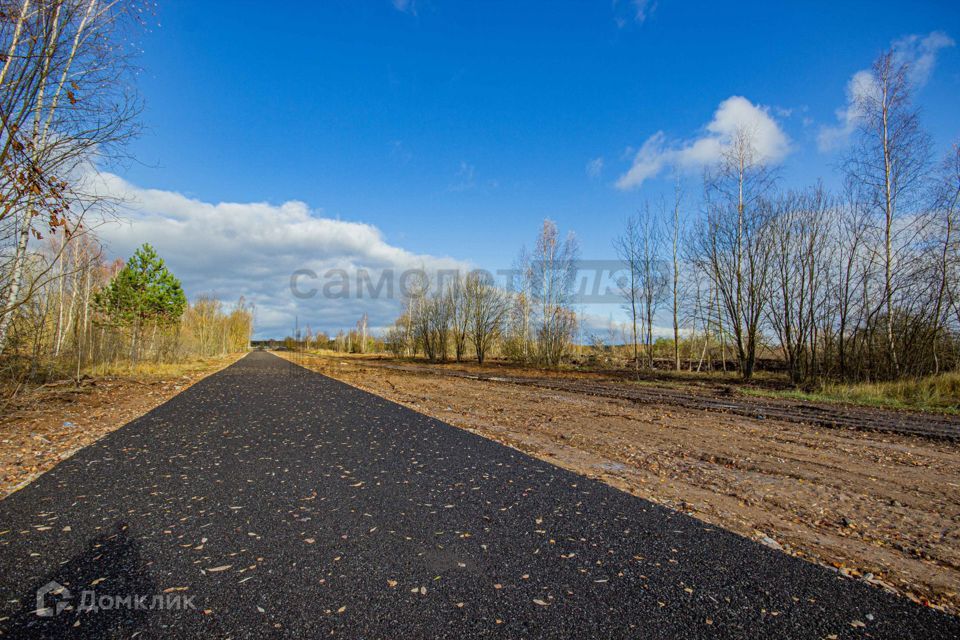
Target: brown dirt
x=42, y=427
x=883, y=507
x=702, y=393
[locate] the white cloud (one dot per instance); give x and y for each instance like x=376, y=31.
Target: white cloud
x=649, y=161
x=770, y=143
x=251, y=249
x=860, y=85
x=919, y=53
x=595, y=167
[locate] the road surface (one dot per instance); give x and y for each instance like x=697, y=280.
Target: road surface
x=269, y=501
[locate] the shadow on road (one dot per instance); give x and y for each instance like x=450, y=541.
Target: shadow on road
x=112, y=569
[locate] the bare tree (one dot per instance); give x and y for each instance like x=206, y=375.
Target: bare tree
x=488, y=306
x=888, y=165
x=517, y=343
x=643, y=286
x=550, y=272
x=852, y=273
x=653, y=275
x=629, y=247
x=362, y=333
x=676, y=250
x=64, y=105
x=439, y=312
x=460, y=314
x=733, y=247
x=946, y=209
x=424, y=314
x=798, y=232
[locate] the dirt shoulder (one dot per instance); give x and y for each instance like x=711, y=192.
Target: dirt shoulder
x=701, y=393
x=42, y=427
x=879, y=506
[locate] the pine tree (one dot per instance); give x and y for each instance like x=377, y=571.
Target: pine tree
x=143, y=292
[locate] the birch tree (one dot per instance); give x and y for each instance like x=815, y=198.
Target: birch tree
x=733, y=247
x=888, y=164
x=947, y=210
x=675, y=252
x=653, y=275
x=551, y=272
x=64, y=107
x=629, y=247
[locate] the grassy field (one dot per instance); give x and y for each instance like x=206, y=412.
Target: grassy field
x=153, y=369
x=939, y=393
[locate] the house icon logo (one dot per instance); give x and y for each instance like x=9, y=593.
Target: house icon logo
x=59, y=595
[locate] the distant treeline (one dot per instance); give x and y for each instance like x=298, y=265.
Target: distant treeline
x=858, y=285
x=85, y=312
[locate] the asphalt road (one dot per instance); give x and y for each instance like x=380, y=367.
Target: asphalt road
x=269, y=501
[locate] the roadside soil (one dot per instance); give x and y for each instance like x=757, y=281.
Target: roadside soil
x=718, y=393
x=882, y=507
x=41, y=427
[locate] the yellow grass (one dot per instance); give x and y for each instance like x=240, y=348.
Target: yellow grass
x=940, y=393
x=158, y=369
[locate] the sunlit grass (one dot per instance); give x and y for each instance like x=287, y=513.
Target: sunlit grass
x=939, y=393
x=156, y=369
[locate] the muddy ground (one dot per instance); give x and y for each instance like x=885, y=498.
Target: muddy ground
x=40, y=427
x=882, y=507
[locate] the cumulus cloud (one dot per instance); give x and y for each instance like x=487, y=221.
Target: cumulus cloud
x=252, y=249
x=735, y=113
x=860, y=86
x=918, y=53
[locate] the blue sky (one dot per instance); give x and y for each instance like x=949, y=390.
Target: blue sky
x=455, y=128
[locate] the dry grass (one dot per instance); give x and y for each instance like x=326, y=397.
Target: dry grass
x=939, y=393
x=154, y=369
